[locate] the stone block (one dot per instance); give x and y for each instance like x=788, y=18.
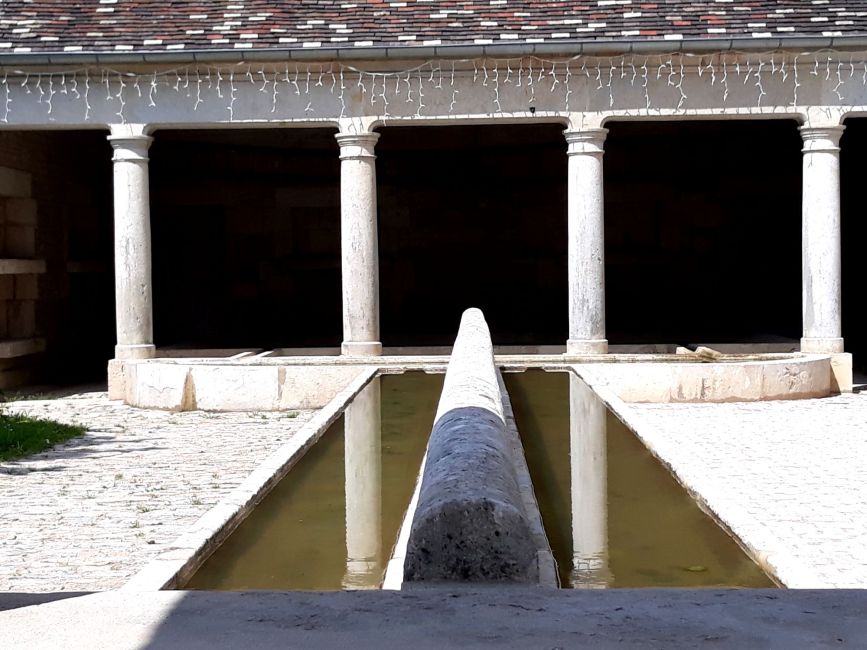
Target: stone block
x=310, y=387
x=21, y=211
x=14, y=183
x=21, y=347
x=637, y=382
x=116, y=379
x=18, y=376
x=796, y=379
x=20, y=241
x=157, y=386
x=237, y=388
x=21, y=318
x=715, y=382
x=21, y=267
x=26, y=287
x=841, y=372
x=7, y=287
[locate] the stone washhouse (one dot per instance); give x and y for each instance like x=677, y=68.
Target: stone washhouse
x=256, y=224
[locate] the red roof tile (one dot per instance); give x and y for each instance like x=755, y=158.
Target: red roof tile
x=160, y=25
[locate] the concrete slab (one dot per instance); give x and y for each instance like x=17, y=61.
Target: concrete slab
x=444, y=618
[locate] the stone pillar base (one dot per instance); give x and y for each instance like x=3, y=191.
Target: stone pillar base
x=582, y=347
x=821, y=345
x=841, y=372
x=361, y=348
x=139, y=351
x=116, y=379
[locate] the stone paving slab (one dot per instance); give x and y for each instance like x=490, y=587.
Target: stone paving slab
x=788, y=477
x=88, y=514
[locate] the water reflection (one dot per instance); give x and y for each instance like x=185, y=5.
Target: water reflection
x=363, y=472
x=587, y=442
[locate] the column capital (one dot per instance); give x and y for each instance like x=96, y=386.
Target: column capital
x=818, y=139
x=130, y=148
x=354, y=146
x=585, y=141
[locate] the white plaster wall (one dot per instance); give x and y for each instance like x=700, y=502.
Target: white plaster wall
x=583, y=91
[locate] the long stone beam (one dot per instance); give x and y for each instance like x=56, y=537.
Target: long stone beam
x=471, y=524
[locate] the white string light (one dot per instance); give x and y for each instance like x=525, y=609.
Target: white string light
x=428, y=82
x=51, y=93
x=152, y=91
x=120, y=86
x=7, y=102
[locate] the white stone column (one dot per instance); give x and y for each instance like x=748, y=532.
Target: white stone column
x=586, y=233
x=132, y=245
x=820, y=240
x=363, y=475
x=359, y=244
x=589, y=465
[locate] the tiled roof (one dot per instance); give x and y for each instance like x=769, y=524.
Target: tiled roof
x=43, y=26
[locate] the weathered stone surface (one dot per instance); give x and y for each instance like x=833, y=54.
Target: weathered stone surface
x=90, y=513
x=729, y=381
x=470, y=523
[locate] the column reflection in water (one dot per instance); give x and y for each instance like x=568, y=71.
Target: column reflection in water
x=587, y=434
x=363, y=466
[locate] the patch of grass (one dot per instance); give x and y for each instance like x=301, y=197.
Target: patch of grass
x=22, y=435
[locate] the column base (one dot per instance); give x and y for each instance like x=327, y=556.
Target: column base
x=361, y=349
x=583, y=347
x=821, y=345
x=116, y=379
x=137, y=351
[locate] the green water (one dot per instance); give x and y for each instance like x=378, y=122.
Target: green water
x=296, y=538
x=656, y=534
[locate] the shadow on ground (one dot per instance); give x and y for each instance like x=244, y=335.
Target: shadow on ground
x=446, y=617
x=14, y=600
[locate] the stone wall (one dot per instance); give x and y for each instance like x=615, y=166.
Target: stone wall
x=56, y=287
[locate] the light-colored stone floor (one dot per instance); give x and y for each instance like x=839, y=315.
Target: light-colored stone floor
x=90, y=513
x=789, y=478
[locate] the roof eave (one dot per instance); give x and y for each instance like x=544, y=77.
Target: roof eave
x=459, y=51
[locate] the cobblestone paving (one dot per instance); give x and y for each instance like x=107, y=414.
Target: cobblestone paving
x=90, y=513
x=789, y=478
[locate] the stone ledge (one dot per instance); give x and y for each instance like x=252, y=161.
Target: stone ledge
x=503, y=618
x=21, y=347
x=794, y=377
x=21, y=267
x=470, y=524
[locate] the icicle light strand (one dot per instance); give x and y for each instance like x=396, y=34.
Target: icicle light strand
x=627, y=83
